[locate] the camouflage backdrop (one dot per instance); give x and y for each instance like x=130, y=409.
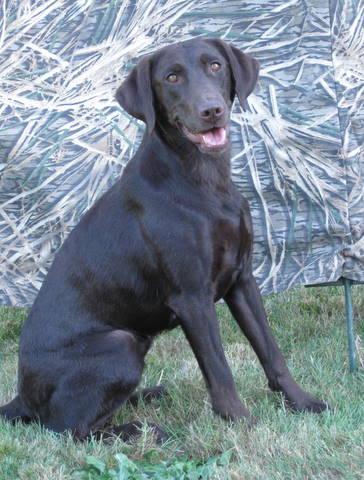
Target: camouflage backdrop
x=297, y=154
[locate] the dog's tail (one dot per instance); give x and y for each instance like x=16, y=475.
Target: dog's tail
x=16, y=410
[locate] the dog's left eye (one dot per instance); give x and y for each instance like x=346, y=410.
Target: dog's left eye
x=215, y=66
x=172, y=78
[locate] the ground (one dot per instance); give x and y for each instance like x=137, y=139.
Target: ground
x=309, y=325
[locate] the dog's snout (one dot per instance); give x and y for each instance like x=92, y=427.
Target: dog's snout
x=212, y=113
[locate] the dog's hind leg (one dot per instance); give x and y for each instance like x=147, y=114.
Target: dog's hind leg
x=147, y=395
x=129, y=431
x=98, y=375
x=16, y=410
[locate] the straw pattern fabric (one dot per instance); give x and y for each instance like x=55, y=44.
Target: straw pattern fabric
x=297, y=153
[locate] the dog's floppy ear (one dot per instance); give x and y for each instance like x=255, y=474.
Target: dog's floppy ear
x=135, y=94
x=244, y=70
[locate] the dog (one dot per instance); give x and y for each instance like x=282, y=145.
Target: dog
x=156, y=251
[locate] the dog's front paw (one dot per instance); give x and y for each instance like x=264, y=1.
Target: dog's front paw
x=232, y=411
x=306, y=403
x=295, y=397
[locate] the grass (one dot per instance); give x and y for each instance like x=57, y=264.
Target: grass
x=309, y=325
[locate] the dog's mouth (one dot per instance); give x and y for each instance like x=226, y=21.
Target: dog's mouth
x=214, y=140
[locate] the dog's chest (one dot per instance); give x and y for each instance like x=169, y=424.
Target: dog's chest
x=228, y=246
x=213, y=237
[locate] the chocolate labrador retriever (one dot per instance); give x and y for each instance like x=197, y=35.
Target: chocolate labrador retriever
x=167, y=241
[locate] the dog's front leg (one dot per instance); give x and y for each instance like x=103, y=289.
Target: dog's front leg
x=199, y=322
x=245, y=304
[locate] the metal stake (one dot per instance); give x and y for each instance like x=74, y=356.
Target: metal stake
x=350, y=324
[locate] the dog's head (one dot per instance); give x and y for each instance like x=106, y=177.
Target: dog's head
x=190, y=85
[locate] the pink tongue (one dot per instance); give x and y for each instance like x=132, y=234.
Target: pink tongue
x=214, y=137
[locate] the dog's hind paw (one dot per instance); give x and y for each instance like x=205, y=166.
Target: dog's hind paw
x=147, y=395
x=130, y=431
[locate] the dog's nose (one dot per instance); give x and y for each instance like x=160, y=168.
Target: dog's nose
x=213, y=113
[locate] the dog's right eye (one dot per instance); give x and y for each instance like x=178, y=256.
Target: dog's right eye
x=172, y=78
x=215, y=66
